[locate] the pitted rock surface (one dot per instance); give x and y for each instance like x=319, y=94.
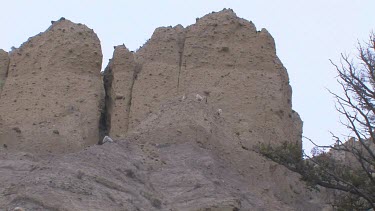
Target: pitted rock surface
x=182, y=115
x=227, y=62
x=52, y=96
x=119, y=80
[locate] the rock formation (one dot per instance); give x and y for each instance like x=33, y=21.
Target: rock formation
x=184, y=112
x=52, y=96
x=119, y=90
x=222, y=58
x=231, y=67
x=4, y=64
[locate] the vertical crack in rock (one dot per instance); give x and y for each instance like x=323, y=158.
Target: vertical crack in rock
x=181, y=44
x=7, y=70
x=107, y=105
x=137, y=70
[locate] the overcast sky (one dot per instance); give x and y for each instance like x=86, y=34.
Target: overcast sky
x=307, y=35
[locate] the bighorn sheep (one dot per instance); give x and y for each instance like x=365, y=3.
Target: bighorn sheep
x=107, y=139
x=198, y=97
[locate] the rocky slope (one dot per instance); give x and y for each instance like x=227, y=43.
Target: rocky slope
x=190, y=165
x=185, y=111
x=51, y=99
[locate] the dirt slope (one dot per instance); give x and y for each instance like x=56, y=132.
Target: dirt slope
x=191, y=165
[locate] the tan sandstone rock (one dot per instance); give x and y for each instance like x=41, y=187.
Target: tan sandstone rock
x=158, y=77
x=218, y=84
x=4, y=64
x=119, y=81
x=183, y=112
x=236, y=69
x=51, y=101
x=221, y=60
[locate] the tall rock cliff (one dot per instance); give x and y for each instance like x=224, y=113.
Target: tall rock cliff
x=53, y=91
x=223, y=59
x=216, y=85
x=184, y=111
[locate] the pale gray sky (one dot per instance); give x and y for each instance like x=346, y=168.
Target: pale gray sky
x=307, y=35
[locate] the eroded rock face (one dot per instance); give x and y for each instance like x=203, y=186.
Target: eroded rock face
x=158, y=77
x=184, y=112
x=119, y=80
x=4, y=64
x=217, y=84
x=52, y=97
x=236, y=69
x=226, y=61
